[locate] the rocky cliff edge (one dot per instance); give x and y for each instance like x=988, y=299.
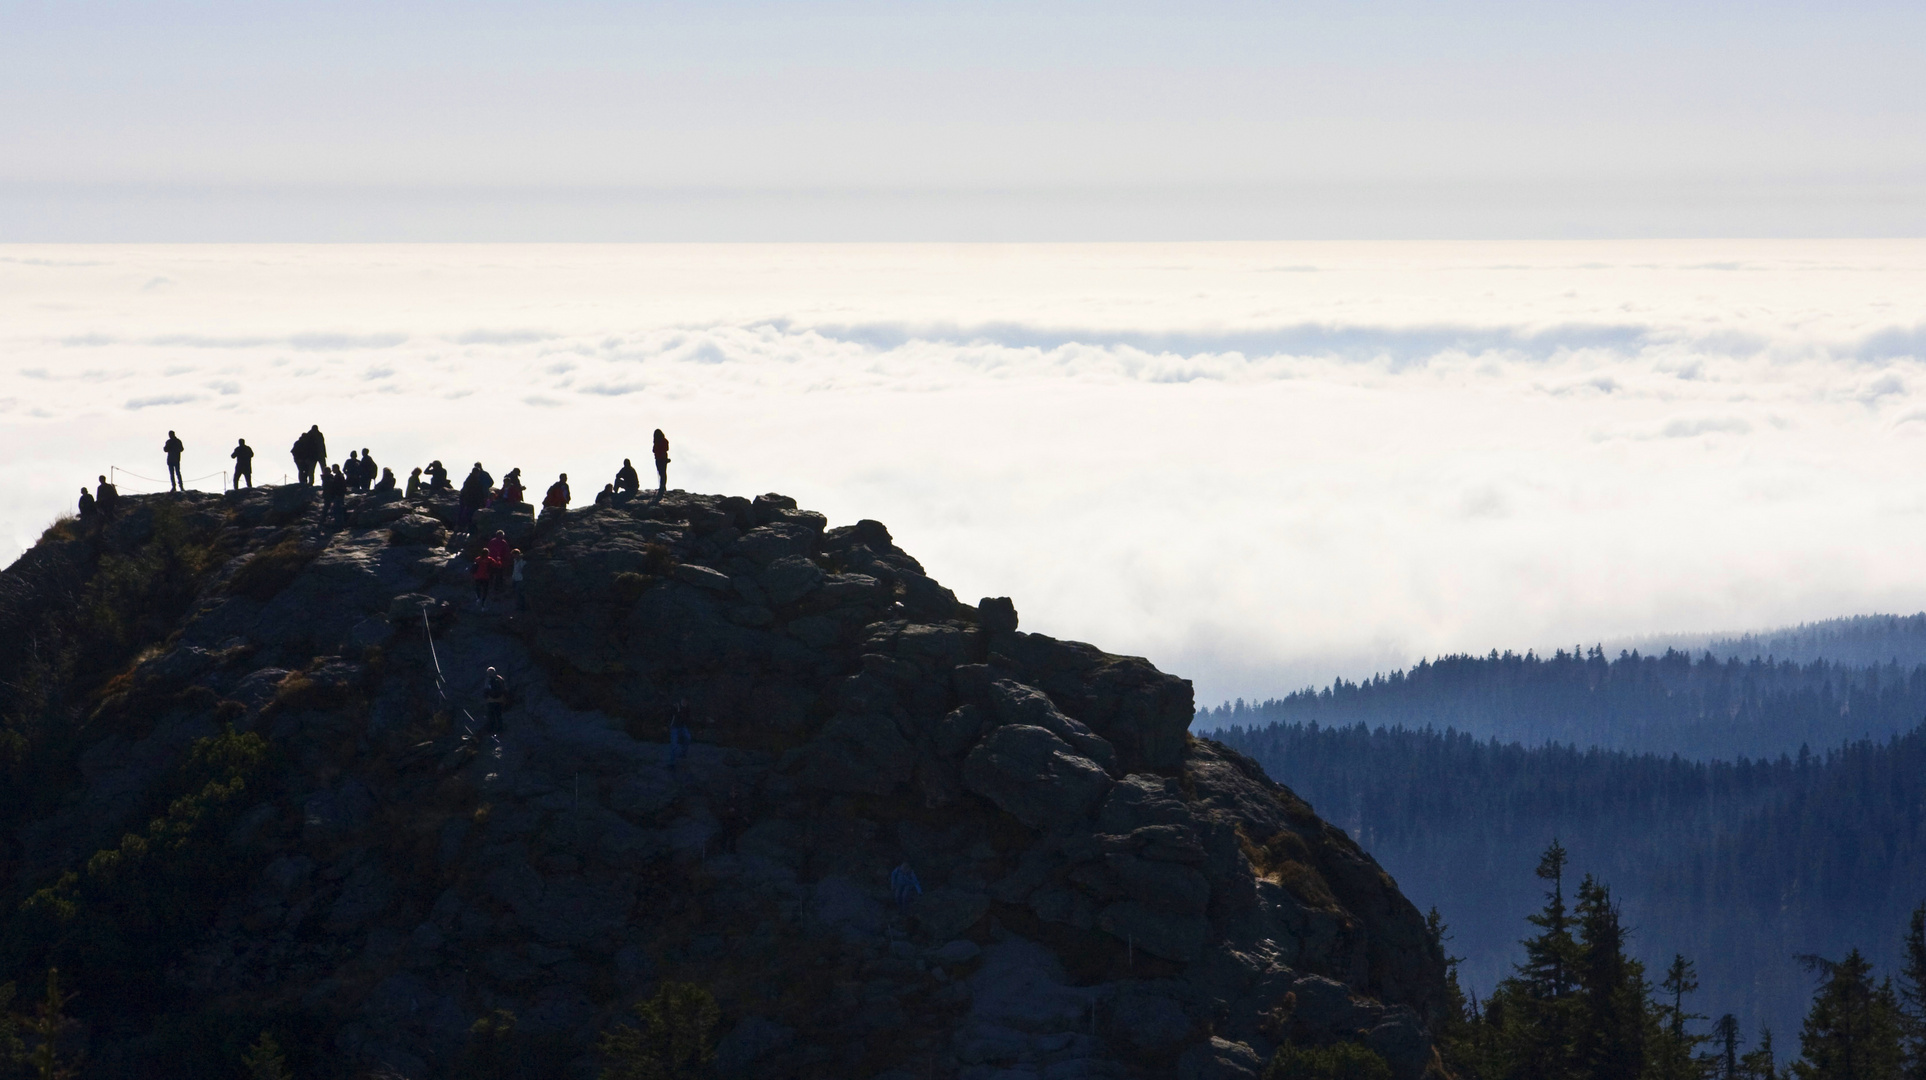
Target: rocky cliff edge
x=1101, y=893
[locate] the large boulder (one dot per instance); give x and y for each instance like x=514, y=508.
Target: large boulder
x=1035, y=776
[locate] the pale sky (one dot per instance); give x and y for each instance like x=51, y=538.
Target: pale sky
x=865, y=121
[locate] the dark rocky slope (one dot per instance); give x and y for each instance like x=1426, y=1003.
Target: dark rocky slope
x=237, y=800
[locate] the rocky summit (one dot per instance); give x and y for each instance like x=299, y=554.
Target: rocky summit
x=251, y=786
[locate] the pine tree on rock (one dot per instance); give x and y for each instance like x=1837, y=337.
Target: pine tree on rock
x=1853, y=1029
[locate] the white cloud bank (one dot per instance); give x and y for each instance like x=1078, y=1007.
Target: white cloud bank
x=1255, y=478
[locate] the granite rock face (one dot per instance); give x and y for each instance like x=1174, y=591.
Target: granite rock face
x=1100, y=893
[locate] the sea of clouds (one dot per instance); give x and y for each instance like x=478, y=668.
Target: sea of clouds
x=1261, y=465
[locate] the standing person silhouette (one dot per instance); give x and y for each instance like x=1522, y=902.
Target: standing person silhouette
x=661, y=462
x=106, y=499
x=243, y=456
x=173, y=450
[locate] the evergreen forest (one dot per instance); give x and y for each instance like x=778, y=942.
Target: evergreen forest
x=1745, y=864
x=1669, y=703
x=1578, y=1006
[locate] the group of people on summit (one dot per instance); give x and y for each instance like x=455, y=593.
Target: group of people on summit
x=359, y=474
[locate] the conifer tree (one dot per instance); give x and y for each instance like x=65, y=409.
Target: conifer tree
x=1912, y=995
x=1675, y=1054
x=1758, y=1063
x=1725, y=1037
x=1852, y=1031
x=1609, y=1043
x=1540, y=1003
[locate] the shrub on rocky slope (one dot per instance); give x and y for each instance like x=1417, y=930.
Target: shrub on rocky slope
x=245, y=793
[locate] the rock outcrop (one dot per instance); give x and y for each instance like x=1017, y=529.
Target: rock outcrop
x=1102, y=894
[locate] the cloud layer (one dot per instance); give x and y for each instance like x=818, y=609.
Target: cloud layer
x=1256, y=477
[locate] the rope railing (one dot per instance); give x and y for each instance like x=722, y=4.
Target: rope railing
x=441, y=683
x=115, y=472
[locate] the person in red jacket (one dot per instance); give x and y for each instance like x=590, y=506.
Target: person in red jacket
x=483, y=573
x=661, y=462
x=497, y=551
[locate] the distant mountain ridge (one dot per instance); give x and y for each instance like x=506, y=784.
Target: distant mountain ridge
x=1854, y=639
x=1673, y=703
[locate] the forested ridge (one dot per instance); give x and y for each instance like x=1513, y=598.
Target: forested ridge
x=1669, y=703
x=1742, y=864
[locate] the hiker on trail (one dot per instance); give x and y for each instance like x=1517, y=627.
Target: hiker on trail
x=495, y=694
x=474, y=493
x=243, y=456
x=662, y=462
x=515, y=579
x=511, y=488
x=173, y=450
x=351, y=470
x=369, y=470
x=497, y=551
x=556, y=500
x=437, y=476
x=414, y=483
x=625, y=478
x=86, y=507
x=606, y=496
x=387, y=481
x=904, y=886
x=106, y=499
x=483, y=572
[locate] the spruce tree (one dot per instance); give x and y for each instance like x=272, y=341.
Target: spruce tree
x=1852, y=1031
x=1675, y=1054
x=1912, y=995
x=1609, y=1043
x=1541, y=1004
x=1725, y=1036
x=1758, y=1063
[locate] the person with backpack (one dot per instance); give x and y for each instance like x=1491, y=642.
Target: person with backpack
x=172, y=448
x=106, y=499
x=661, y=462
x=369, y=470
x=556, y=501
x=437, y=476
x=474, y=495
x=243, y=456
x=310, y=452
